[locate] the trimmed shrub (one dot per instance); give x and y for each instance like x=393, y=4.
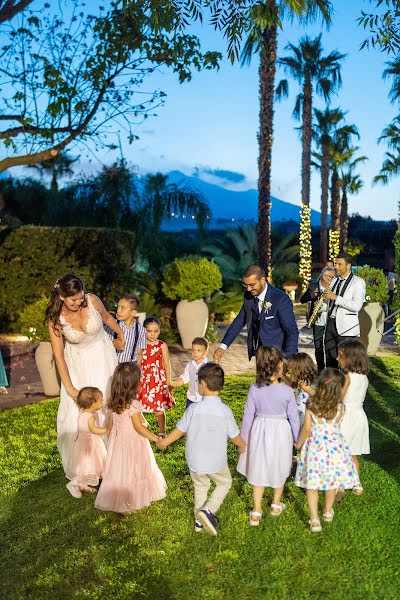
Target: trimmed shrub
x=31, y=321
x=376, y=284
x=191, y=278
x=32, y=258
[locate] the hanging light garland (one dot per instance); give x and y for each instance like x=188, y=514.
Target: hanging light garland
x=334, y=244
x=305, y=246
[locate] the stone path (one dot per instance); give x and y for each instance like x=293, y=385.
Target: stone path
x=26, y=388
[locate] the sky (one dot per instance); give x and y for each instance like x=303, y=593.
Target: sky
x=209, y=125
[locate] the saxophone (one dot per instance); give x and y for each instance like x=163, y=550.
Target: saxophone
x=318, y=305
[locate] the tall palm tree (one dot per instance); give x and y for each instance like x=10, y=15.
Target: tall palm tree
x=328, y=126
x=315, y=73
x=263, y=40
x=350, y=184
x=391, y=134
x=59, y=166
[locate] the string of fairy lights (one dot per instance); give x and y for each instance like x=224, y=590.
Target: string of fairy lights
x=305, y=251
x=334, y=244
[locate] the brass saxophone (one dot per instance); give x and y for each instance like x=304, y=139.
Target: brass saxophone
x=318, y=305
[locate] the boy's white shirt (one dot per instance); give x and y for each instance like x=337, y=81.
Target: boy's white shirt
x=190, y=376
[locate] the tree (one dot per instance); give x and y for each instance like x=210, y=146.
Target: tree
x=67, y=82
x=391, y=134
x=313, y=72
x=350, y=184
x=262, y=39
x=384, y=26
x=59, y=166
x=10, y=8
x=328, y=126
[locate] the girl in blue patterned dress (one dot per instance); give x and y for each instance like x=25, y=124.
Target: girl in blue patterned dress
x=325, y=462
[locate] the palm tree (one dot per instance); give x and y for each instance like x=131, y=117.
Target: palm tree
x=59, y=166
x=329, y=130
x=313, y=72
x=390, y=168
x=263, y=40
x=350, y=184
x=391, y=134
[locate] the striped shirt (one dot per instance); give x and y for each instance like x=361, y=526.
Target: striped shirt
x=190, y=376
x=125, y=355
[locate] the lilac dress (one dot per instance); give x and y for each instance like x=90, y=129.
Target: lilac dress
x=270, y=426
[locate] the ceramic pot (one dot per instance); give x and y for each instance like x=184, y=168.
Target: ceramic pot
x=46, y=366
x=371, y=326
x=192, y=319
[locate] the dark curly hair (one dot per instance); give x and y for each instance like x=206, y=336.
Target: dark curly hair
x=328, y=394
x=124, y=387
x=67, y=285
x=302, y=368
x=355, y=357
x=267, y=363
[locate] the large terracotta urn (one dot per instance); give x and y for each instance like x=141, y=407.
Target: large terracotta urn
x=46, y=366
x=371, y=326
x=192, y=320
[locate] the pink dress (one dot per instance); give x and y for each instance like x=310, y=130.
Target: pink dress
x=88, y=454
x=154, y=393
x=132, y=479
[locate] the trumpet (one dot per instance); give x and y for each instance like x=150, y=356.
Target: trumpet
x=318, y=305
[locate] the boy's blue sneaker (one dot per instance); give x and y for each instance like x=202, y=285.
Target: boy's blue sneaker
x=208, y=520
x=198, y=527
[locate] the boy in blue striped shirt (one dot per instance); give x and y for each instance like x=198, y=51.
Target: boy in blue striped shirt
x=135, y=334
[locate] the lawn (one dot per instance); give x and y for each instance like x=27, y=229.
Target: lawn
x=54, y=546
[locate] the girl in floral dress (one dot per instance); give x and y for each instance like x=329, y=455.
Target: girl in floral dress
x=154, y=393
x=325, y=461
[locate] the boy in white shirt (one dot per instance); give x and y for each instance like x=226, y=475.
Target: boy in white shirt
x=199, y=358
x=207, y=425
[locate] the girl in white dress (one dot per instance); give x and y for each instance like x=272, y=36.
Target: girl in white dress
x=353, y=361
x=88, y=357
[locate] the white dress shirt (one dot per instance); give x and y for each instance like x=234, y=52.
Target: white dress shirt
x=190, y=376
x=341, y=286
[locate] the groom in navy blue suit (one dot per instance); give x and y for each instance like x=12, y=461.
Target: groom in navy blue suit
x=268, y=314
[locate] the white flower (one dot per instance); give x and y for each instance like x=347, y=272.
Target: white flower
x=266, y=305
x=368, y=298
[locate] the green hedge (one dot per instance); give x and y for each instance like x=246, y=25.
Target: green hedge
x=32, y=258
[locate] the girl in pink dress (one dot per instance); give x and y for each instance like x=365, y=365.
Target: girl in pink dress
x=154, y=393
x=88, y=453
x=131, y=479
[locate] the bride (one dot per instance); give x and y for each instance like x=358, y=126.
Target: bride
x=88, y=357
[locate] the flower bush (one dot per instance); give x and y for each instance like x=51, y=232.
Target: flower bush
x=191, y=278
x=31, y=321
x=376, y=284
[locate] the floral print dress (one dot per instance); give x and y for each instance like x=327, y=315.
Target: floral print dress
x=154, y=393
x=325, y=461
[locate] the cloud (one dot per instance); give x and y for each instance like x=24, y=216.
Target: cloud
x=222, y=174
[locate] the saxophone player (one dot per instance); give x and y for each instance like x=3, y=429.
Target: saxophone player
x=312, y=295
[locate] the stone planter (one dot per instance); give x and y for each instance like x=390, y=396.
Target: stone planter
x=371, y=326
x=46, y=366
x=192, y=319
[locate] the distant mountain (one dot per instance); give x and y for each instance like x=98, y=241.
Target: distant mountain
x=235, y=207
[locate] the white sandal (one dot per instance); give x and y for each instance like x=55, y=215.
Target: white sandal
x=254, y=513
x=315, y=528
x=280, y=507
x=358, y=491
x=328, y=516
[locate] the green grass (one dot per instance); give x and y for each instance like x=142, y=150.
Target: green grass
x=54, y=546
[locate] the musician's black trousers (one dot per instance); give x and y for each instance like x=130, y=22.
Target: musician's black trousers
x=332, y=341
x=318, y=331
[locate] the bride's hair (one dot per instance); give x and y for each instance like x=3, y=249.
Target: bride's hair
x=68, y=285
x=124, y=387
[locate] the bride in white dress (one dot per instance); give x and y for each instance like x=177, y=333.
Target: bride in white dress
x=88, y=357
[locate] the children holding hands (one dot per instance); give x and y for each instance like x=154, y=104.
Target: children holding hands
x=207, y=425
x=199, y=358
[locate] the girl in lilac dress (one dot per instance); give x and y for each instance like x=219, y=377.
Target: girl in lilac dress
x=270, y=427
x=132, y=479
x=325, y=461
x=88, y=452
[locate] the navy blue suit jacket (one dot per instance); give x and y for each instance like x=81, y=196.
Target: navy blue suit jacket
x=278, y=325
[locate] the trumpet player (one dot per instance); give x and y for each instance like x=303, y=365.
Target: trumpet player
x=312, y=295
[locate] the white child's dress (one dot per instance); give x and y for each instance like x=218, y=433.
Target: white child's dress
x=354, y=425
x=301, y=400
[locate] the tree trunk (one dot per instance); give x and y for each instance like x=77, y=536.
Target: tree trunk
x=265, y=138
x=306, y=141
x=344, y=220
x=334, y=231
x=323, y=242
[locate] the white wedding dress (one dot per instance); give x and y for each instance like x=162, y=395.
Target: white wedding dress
x=91, y=360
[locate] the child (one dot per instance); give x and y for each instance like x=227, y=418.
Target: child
x=154, y=394
x=353, y=361
x=88, y=453
x=132, y=479
x=135, y=334
x=208, y=425
x=301, y=376
x=270, y=426
x=199, y=358
x=325, y=461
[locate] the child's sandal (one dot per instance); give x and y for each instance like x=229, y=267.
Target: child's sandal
x=161, y=436
x=358, y=491
x=279, y=507
x=328, y=516
x=252, y=514
x=315, y=525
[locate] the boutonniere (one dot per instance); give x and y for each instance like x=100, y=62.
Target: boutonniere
x=266, y=305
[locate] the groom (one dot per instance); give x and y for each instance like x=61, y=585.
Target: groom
x=268, y=314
